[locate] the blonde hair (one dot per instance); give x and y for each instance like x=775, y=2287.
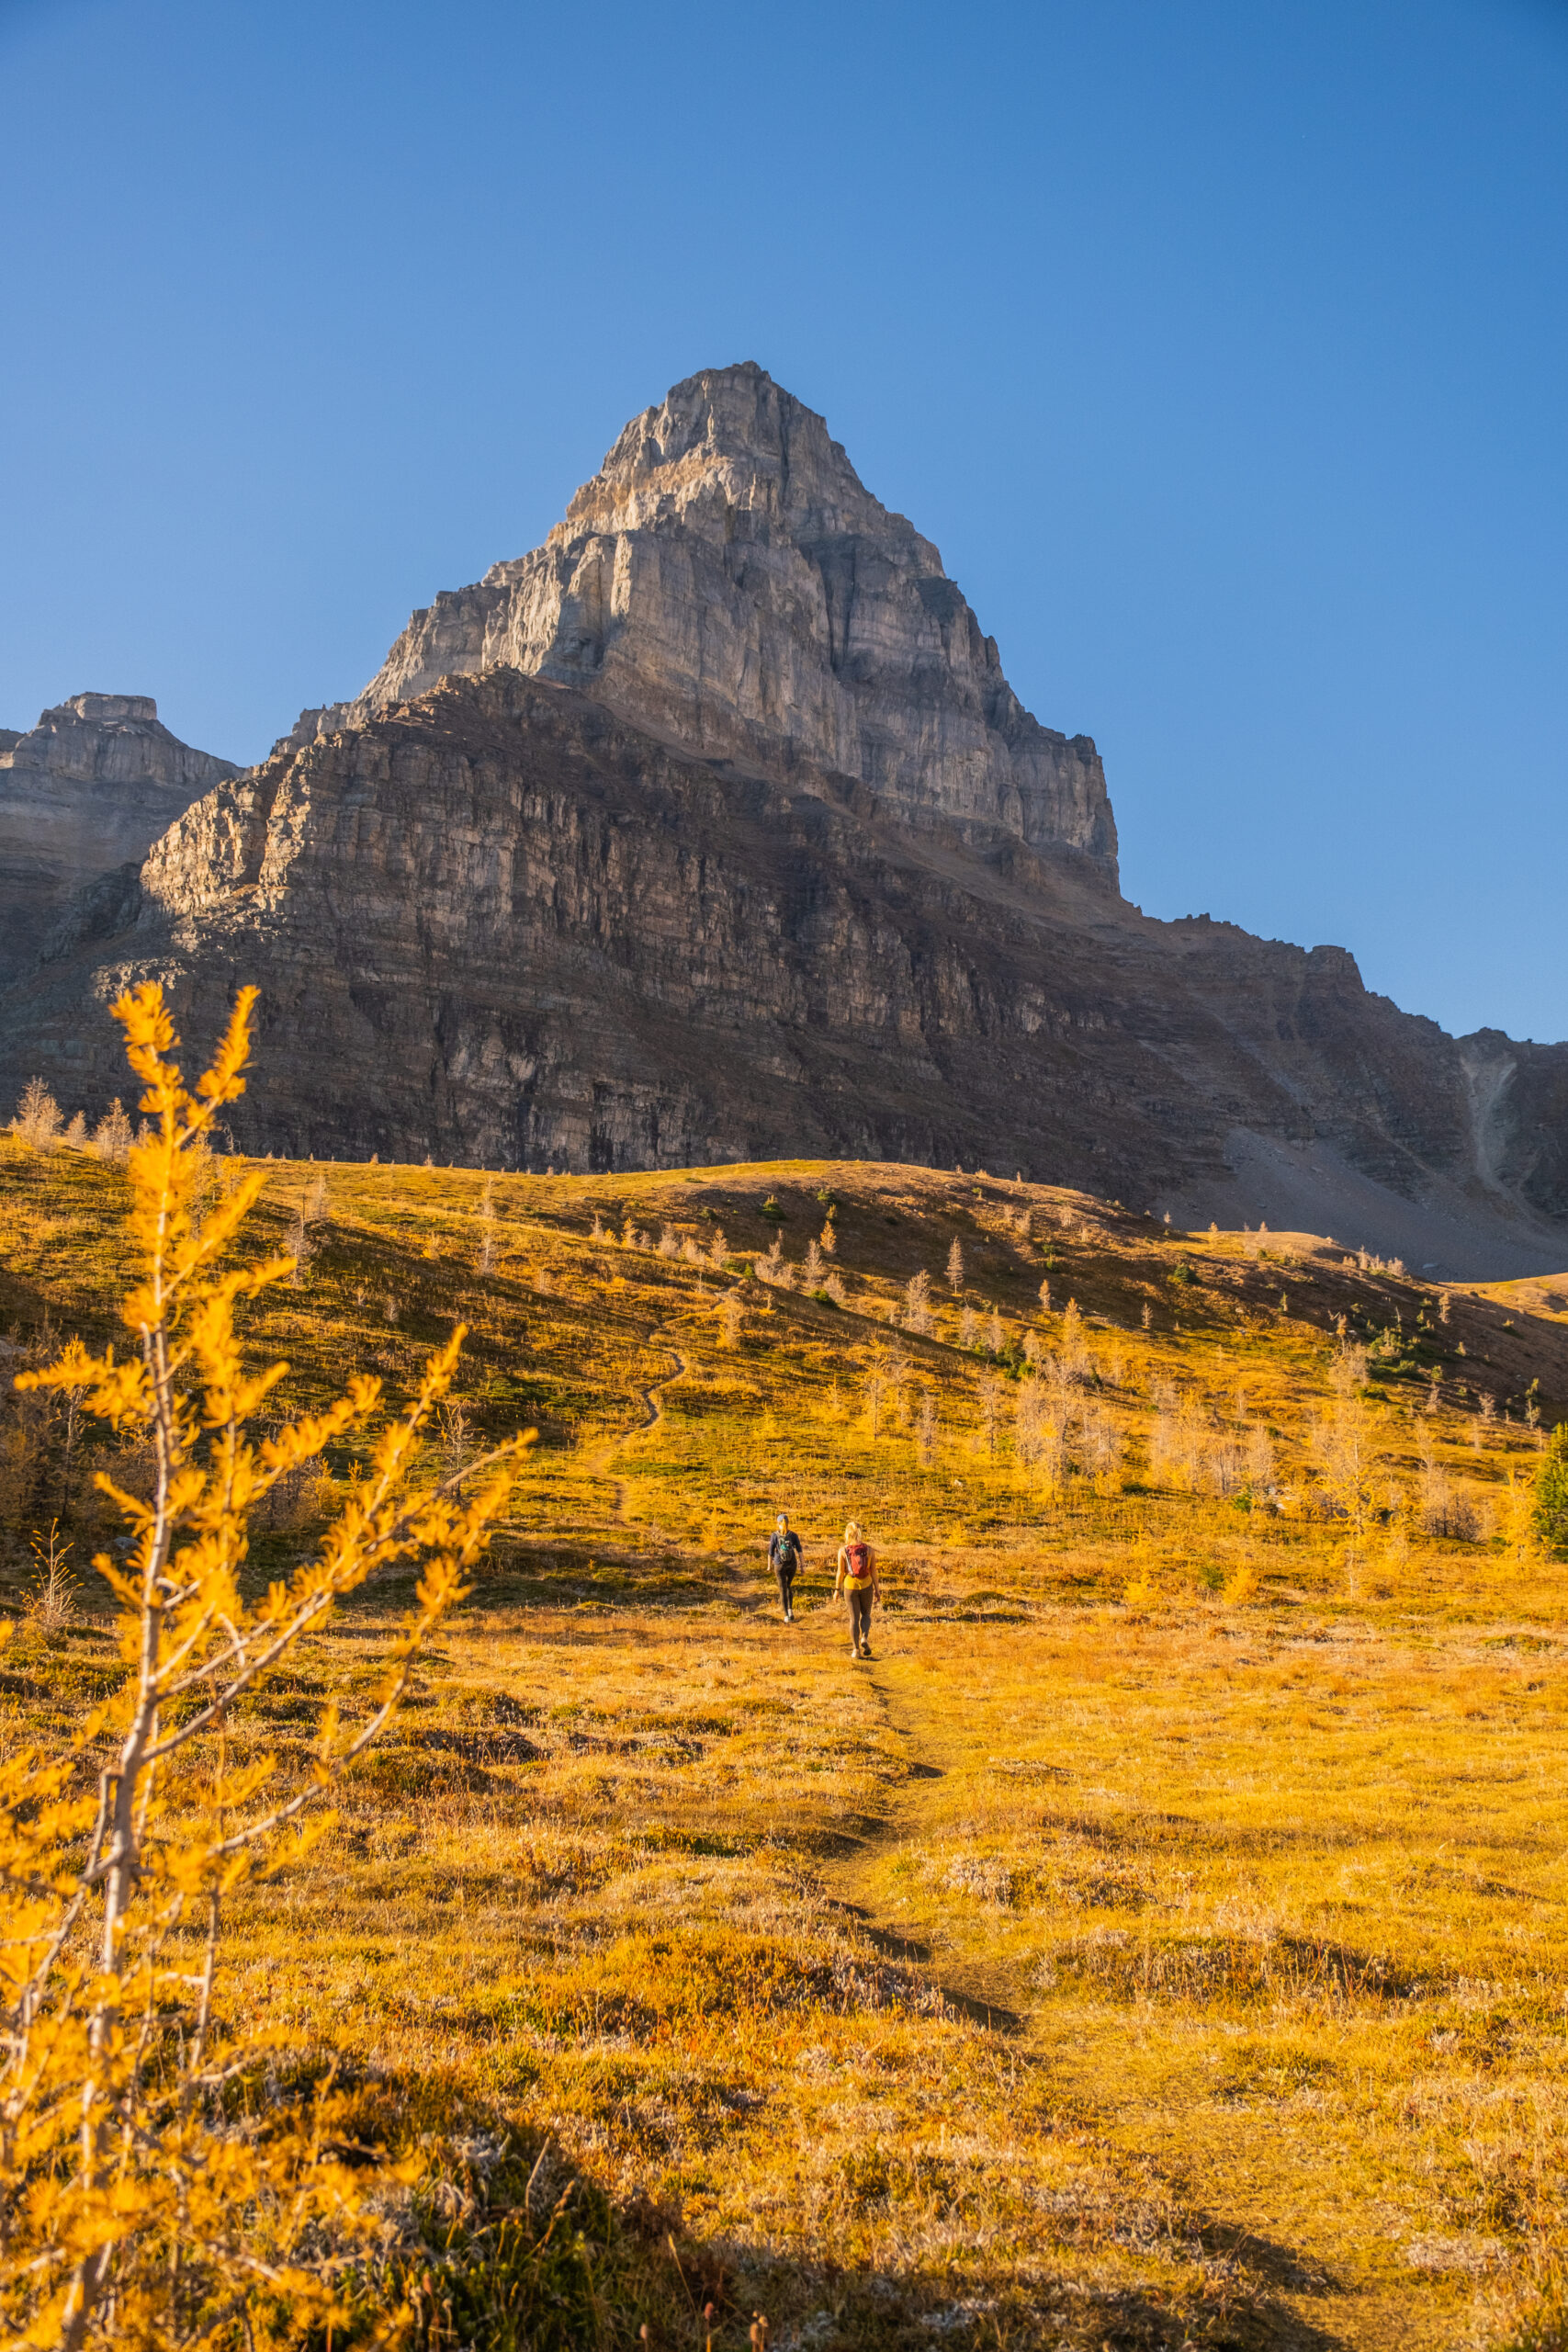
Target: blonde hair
x=851, y=1532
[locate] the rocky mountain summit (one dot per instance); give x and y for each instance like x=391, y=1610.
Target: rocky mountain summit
x=86, y=790
x=726, y=583
x=711, y=831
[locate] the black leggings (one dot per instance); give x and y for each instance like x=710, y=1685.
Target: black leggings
x=859, y=1618
x=786, y=1586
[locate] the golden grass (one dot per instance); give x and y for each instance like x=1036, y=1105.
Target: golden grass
x=1083, y=1970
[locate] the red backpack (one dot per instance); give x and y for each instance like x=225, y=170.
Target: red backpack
x=859, y=1558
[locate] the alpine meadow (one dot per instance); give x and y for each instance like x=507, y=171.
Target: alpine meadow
x=447, y=1905
x=784, y=1176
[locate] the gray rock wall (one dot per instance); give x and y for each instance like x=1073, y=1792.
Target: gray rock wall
x=711, y=830
x=501, y=926
x=726, y=582
x=87, y=789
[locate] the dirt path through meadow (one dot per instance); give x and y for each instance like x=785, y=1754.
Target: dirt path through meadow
x=1257, y=2182
x=652, y=1393
x=988, y=1987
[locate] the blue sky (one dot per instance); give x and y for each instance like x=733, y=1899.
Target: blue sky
x=1220, y=348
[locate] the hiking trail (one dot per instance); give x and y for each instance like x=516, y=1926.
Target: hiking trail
x=1258, y=2188
x=990, y=1994
x=651, y=1392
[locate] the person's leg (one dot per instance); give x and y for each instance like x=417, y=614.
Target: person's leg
x=786, y=1594
x=860, y=1621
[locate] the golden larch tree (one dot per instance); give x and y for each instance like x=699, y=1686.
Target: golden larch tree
x=143, y=2198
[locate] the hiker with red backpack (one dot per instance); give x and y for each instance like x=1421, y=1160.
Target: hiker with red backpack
x=857, y=1579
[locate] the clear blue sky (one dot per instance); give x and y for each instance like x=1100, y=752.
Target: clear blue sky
x=1220, y=348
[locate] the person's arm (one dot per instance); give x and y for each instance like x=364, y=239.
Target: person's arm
x=839, y=1580
x=875, y=1579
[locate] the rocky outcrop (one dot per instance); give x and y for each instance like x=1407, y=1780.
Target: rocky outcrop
x=726, y=583
x=712, y=831
x=499, y=925
x=89, y=789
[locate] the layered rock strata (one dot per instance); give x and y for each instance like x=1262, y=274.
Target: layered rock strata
x=711, y=831
x=86, y=790
x=727, y=582
x=498, y=925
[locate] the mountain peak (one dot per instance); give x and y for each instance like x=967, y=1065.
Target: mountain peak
x=89, y=789
x=728, y=441
x=727, y=582
x=110, y=710
x=116, y=741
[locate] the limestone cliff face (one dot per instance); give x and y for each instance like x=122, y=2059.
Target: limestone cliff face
x=711, y=831
x=499, y=925
x=89, y=789
x=727, y=582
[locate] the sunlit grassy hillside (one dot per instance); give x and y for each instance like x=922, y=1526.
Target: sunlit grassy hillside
x=1161, y=1940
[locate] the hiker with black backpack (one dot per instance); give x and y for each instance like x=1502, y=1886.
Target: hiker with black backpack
x=857, y=1579
x=784, y=1558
